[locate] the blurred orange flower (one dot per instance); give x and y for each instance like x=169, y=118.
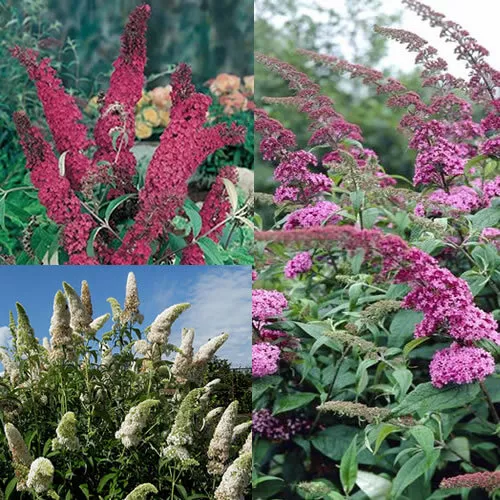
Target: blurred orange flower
x=224, y=84
x=161, y=97
x=248, y=82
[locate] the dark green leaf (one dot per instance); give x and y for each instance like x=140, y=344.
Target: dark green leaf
x=349, y=466
x=210, y=251
x=411, y=471
x=427, y=398
x=293, y=401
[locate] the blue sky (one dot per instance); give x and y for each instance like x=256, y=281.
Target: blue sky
x=220, y=298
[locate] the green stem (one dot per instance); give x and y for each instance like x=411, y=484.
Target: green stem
x=493, y=411
x=330, y=390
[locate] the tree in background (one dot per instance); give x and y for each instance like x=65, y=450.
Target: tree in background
x=347, y=29
x=212, y=36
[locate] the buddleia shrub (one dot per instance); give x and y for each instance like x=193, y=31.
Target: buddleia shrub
x=375, y=308
x=107, y=208
x=116, y=414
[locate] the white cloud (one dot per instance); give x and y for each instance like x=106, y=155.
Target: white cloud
x=5, y=339
x=221, y=302
x=5, y=336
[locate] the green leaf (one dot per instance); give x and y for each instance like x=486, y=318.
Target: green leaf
x=413, y=344
x=404, y=378
x=384, y=431
x=262, y=384
x=488, y=217
x=424, y=437
x=334, y=440
x=210, y=251
x=357, y=199
x=10, y=488
x=267, y=486
x=194, y=216
x=113, y=204
x=90, y=242
x=292, y=401
x=349, y=466
x=175, y=243
x=104, y=480
x=357, y=260
x=403, y=326
x=85, y=490
x=427, y=398
x=461, y=446
x=411, y=471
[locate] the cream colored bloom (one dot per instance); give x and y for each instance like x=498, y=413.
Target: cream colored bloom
x=220, y=444
x=66, y=433
x=181, y=433
x=79, y=317
x=160, y=328
x=10, y=367
x=247, y=446
x=131, y=307
x=236, y=479
x=116, y=309
x=134, y=423
x=142, y=347
x=26, y=342
x=21, y=458
x=141, y=492
x=204, y=354
x=183, y=359
x=98, y=323
x=61, y=333
x=17, y=446
x=241, y=429
x=86, y=298
x=41, y=475
x=214, y=414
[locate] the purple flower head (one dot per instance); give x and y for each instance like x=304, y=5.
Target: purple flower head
x=278, y=428
x=301, y=263
x=265, y=359
x=267, y=304
x=460, y=365
x=438, y=161
x=313, y=215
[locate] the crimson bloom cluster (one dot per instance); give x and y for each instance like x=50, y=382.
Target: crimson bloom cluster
x=108, y=163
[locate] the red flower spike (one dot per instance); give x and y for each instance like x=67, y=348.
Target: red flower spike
x=54, y=191
x=125, y=90
x=172, y=165
x=213, y=212
x=61, y=112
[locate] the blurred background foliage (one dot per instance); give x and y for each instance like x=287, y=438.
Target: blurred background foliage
x=344, y=30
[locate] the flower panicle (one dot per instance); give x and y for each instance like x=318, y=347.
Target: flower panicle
x=117, y=113
x=61, y=112
x=489, y=481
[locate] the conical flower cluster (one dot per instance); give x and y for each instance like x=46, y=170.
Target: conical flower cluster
x=220, y=445
x=131, y=429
